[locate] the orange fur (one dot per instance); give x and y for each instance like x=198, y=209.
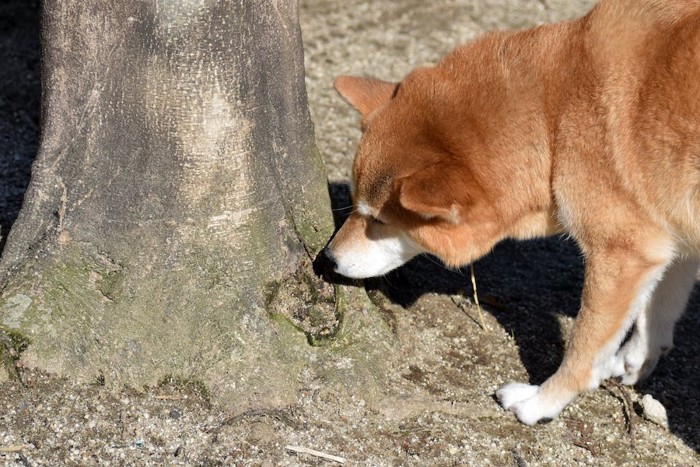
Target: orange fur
x=589, y=127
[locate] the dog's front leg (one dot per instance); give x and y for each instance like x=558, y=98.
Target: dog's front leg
x=618, y=286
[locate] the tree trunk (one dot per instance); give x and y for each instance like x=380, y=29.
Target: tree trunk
x=175, y=203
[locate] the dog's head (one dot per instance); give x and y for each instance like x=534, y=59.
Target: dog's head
x=412, y=191
x=426, y=178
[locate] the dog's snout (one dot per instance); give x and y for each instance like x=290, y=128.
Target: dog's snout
x=331, y=263
x=325, y=264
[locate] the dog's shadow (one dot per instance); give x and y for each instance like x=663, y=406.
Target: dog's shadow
x=676, y=380
x=524, y=285
x=527, y=287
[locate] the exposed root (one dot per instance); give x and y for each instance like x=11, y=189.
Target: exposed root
x=621, y=392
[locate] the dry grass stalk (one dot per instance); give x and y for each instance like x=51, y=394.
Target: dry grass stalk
x=313, y=452
x=14, y=448
x=482, y=322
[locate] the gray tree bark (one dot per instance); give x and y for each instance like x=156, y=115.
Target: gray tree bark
x=175, y=203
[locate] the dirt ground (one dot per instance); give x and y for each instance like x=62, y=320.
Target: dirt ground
x=438, y=406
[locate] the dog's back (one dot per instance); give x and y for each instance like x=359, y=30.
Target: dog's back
x=642, y=108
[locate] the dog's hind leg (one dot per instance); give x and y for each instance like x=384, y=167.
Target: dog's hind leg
x=653, y=331
x=618, y=286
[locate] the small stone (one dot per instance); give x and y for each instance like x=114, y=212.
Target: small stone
x=654, y=411
x=175, y=414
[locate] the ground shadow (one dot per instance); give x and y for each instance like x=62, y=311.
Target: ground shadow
x=524, y=285
x=527, y=286
x=20, y=95
x=676, y=380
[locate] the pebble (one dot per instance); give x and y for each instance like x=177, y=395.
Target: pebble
x=654, y=411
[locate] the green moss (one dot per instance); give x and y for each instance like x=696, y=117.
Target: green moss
x=283, y=320
x=270, y=291
x=187, y=385
x=100, y=379
x=111, y=284
x=313, y=222
x=19, y=342
x=333, y=337
x=311, y=287
x=309, y=303
x=12, y=344
x=96, y=321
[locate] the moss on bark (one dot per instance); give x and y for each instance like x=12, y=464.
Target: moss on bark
x=177, y=176
x=12, y=344
x=89, y=317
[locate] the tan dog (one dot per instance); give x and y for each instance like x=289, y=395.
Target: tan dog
x=589, y=127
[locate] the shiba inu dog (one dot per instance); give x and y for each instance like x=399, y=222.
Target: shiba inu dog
x=589, y=128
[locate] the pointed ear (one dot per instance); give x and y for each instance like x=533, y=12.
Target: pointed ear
x=435, y=192
x=365, y=94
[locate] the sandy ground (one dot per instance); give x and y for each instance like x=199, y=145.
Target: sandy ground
x=438, y=406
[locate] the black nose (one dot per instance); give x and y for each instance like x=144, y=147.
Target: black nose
x=325, y=264
x=331, y=263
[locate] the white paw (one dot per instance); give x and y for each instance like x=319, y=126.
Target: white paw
x=638, y=369
x=512, y=393
x=614, y=367
x=637, y=361
x=528, y=403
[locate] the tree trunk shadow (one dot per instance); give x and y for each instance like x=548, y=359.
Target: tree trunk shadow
x=20, y=94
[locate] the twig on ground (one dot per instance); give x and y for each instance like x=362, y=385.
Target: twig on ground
x=169, y=397
x=460, y=302
x=581, y=435
x=312, y=452
x=122, y=425
x=14, y=448
x=626, y=403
